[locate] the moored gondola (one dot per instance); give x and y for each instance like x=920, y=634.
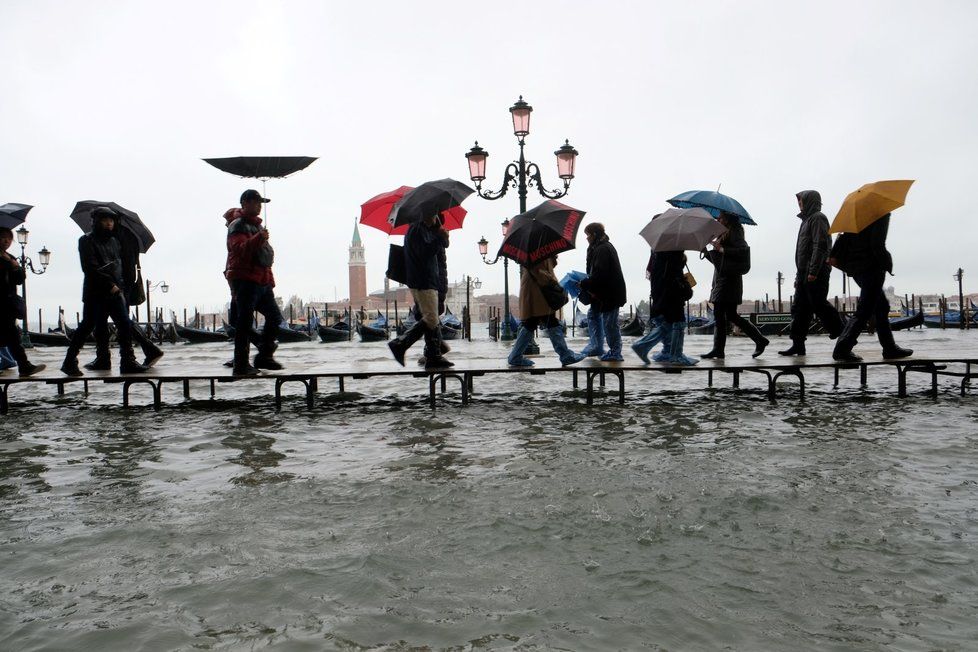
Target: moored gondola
x=369, y=333
x=338, y=332
x=198, y=335
x=635, y=326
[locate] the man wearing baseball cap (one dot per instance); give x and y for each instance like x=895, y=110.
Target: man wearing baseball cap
x=249, y=272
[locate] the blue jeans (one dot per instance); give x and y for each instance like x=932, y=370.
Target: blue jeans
x=250, y=297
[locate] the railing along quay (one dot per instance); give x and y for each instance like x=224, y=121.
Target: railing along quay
x=465, y=373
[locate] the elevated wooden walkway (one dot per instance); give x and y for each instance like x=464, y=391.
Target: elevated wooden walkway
x=465, y=372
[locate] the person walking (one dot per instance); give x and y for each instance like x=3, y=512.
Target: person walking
x=537, y=282
x=605, y=283
x=12, y=306
x=667, y=316
x=864, y=256
x=102, y=293
x=731, y=260
x=812, y=274
x=135, y=294
x=249, y=271
x=423, y=244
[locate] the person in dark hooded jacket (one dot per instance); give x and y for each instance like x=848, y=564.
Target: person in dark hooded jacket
x=12, y=275
x=102, y=292
x=812, y=274
x=864, y=256
x=731, y=260
x=606, y=285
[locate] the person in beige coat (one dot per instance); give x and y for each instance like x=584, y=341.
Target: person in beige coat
x=536, y=311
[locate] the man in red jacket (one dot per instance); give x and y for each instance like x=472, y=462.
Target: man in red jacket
x=249, y=271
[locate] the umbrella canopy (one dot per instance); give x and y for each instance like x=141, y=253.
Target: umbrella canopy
x=261, y=167
x=714, y=203
x=376, y=212
x=430, y=198
x=572, y=282
x=129, y=220
x=864, y=206
x=543, y=231
x=12, y=215
x=681, y=229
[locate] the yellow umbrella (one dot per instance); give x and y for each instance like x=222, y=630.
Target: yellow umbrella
x=866, y=205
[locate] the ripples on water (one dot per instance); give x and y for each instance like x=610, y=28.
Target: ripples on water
x=686, y=519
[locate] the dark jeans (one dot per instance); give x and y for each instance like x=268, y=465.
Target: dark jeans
x=10, y=337
x=872, y=303
x=811, y=300
x=725, y=314
x=95, y=312
x=249, y=297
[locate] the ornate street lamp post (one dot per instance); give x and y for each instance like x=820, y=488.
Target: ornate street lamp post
x=44, y=258
x=520, y=174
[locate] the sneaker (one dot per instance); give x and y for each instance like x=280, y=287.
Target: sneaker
x=28, y=369
x=267, y=362
x=71, y=369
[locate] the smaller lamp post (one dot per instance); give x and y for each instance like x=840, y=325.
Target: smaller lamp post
x=44, y=258
x=469, y=284
x=150, y=286
x=505, y=333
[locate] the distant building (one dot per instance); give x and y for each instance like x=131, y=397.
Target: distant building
x=357, y=266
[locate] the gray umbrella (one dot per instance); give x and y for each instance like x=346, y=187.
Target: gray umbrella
x=681, y=229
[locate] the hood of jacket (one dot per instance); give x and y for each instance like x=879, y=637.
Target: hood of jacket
x=231, y=215
x=811, y=202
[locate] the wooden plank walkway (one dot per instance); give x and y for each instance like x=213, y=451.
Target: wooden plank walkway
x=465, y=372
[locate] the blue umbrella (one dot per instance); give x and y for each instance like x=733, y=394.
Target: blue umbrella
x=714, y=203
x=572, y=282
x=12, y=215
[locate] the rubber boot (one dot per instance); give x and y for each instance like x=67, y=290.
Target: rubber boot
x=151, y=352
x=677, y=335
x=127, y=362
x=844, y=345
x=70, y=365
x=103, y=359
x=653, y=335
x=613, y=336
x=595, y=330
x=665, y=354
x=797, y=348
x=400, y=345
x=559, y=342
x=516, y=357
x=433, y=358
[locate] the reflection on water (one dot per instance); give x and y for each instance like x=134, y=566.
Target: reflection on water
x=688, y=518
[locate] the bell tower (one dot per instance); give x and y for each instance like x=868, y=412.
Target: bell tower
x=358, y=271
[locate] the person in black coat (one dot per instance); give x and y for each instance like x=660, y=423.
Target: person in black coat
x=134, y=295
x=667, y=285
x=102, y=292
x=864, y=256
x=812, y=274
x=606, y=285
x=11, y=305
x=731, y=260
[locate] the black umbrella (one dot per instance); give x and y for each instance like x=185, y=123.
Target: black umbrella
x=541, y=232
x=430, y=198
x=12, y=215
x=82, y=216
x=261, y=167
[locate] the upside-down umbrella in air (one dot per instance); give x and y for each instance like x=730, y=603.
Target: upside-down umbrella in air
x=129, y=220
x=261, y=167
x=541, y=232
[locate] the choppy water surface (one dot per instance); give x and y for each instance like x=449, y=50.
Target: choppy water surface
x=688, y=519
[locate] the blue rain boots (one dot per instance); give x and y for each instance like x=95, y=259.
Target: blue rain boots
x=612, y=333
x=556, y=335
x=672, y=348
x=516, y=357
x=655, y=333
x=595, y=330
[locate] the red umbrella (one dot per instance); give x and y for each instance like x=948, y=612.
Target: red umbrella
x=376, y=211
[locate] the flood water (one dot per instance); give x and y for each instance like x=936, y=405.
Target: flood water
x=687, y=519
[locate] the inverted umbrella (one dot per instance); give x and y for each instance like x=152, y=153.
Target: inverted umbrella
x=864, y=206
x=261, y=167
x=572, y=282
x=129, y=220
x=376, y=212
x=714, y=203
x=12, y=215
x=681, y=229
x=541, y=232
x=430, y=198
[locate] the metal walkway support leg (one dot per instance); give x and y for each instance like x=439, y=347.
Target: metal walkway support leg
x=186, y=389
x=835, y=383
x=863, y=375
x=279, y=382
x=4, y=405
x=574, y=375
x=342, y=389
x=156, y=386
x=709, y=378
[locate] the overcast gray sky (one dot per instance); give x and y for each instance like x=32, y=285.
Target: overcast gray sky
x=120, y=100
